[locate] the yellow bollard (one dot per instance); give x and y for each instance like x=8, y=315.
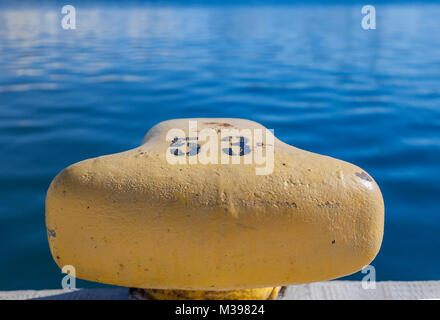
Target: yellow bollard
x=173, y=216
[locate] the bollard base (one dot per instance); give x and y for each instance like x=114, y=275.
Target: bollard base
x=244, y=294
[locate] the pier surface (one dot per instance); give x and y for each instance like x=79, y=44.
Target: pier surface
x=328, y=290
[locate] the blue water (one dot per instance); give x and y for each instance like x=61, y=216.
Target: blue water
x=310, y=72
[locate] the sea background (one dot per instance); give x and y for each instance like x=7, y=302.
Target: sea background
x=307, y=70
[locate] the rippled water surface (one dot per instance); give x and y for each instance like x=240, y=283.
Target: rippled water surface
x=309, y=72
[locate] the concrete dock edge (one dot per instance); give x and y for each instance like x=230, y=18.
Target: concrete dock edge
x=328, y=290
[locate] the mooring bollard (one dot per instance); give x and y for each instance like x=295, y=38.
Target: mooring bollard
x=213, y=208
